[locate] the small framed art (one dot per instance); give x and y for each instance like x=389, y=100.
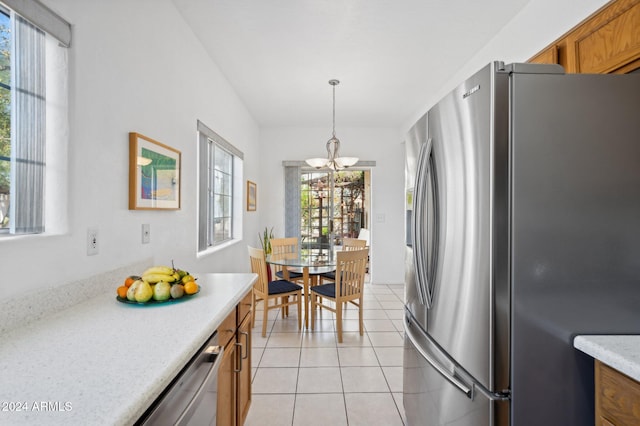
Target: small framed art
x=252, y=196
x=154, y=174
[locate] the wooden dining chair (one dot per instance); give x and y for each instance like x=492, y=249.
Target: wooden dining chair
x=348, y=244
x=347, y=288
x=285, y=248
x=287, y=292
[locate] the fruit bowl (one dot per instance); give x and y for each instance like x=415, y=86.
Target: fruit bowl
x=157, y=285
x=156, y=302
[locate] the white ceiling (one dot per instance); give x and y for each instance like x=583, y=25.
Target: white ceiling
x=388, y=54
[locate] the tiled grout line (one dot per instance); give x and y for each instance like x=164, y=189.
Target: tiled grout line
x=295, y=395
x=344, y=396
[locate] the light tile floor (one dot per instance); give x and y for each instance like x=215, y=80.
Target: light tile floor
x=308, y=378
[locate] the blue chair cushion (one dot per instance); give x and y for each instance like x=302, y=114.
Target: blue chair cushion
x=329, y=275
x=326, y=290
x=292, y=275
x=282, y=286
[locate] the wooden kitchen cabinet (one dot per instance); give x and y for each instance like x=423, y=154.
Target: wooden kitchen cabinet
x=617, y=397
x=234, y=376
x=244, y=374
x=606, y=42
x=225, y=414
x=548, y=56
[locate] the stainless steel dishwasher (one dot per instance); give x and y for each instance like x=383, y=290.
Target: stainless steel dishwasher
x=191, y=398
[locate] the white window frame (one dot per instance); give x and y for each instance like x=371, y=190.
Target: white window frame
x=208, y=140
x=51, y=195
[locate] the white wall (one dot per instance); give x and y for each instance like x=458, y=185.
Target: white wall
x=539, y=24
x=369, y=144
x=134, y=66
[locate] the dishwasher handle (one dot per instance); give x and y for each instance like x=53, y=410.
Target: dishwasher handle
x=215, y=354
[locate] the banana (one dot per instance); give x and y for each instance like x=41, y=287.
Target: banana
x=159, y=270
x=156, y=278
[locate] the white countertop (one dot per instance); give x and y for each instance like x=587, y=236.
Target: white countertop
x=103, y=360
x=621, y=352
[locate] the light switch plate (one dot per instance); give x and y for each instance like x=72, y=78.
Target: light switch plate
x=92, y=241
x=146, y=233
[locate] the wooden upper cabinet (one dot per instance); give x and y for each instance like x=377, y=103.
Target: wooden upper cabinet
x=611, y=40
x=606, y=42
x=547, y=56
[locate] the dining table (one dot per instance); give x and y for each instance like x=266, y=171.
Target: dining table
x=309, y=266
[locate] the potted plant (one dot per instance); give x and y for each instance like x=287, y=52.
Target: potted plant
x=265, y=242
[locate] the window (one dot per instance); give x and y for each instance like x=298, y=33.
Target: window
x=222, y=197
x=220, y=190
x=31, y=95
x=5, y=119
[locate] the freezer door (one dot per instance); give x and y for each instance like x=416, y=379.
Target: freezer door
x=460, y=316
x=437, y=391
x=576, y=234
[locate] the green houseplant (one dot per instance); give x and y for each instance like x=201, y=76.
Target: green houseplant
x=265, y=240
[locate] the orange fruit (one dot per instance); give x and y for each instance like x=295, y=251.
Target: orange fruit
x=122, y=291
x=190, y=287
x=129, y=280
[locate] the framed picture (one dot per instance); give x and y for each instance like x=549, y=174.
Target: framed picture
x=154, y=174
x=252, y=196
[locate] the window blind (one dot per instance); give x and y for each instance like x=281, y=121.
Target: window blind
x=28, y=133
x=292, y=201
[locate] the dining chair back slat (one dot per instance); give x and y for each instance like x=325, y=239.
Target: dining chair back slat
x=259, y=266
x=349, y=244
x=350, y=271
x=284, y=248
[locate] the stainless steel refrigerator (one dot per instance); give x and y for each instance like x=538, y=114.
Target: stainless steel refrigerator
x=523, y=230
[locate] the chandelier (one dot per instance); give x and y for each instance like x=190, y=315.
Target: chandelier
x=333, y=160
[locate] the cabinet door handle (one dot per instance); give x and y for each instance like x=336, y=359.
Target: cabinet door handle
x=246, y=352
x=236, y=370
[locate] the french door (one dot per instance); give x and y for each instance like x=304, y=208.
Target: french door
x=333, y=206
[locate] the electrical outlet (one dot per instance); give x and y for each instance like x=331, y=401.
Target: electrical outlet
x=146, y=233
x=92, y=241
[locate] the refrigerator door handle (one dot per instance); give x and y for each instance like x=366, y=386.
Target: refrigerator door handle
x=434, y=220
x=421, y=280
x=450, y=376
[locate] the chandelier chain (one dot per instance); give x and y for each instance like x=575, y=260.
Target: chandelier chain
x=334, y=110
